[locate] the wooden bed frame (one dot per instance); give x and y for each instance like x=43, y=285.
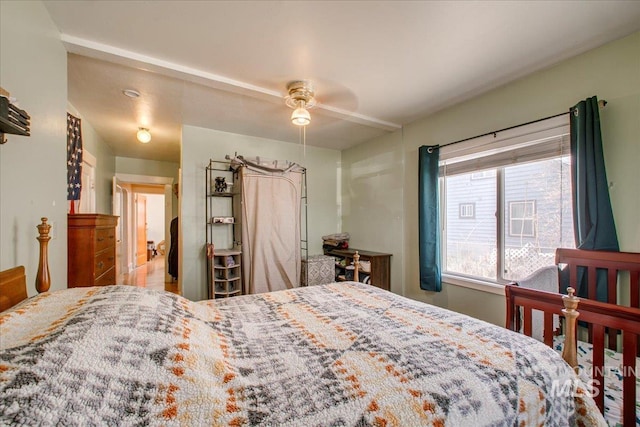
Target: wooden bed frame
x=13, y=282
x=13, y=287
x=602, y=318
x=356, y=265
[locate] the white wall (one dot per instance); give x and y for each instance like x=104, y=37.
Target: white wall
x=199, y=145
x=155, y=217
x=33, y=174
x=612, y=72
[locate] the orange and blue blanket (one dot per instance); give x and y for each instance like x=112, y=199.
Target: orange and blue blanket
x=343, y=354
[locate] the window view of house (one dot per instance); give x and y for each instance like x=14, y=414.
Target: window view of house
x=535, y=219
x=522, y=218
x=467, y=210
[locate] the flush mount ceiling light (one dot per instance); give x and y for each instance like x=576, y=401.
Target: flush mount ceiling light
x=131, y=93
x=143, y=135
x=300, y=98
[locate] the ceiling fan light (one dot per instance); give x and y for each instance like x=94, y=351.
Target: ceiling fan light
x=143, y=135
x=300, y=117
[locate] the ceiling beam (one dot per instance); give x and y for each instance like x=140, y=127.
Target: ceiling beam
x=132, y=59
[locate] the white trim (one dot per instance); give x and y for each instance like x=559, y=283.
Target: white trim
x=358, y=118
x=143, y=179
x=168, y=217
x=88, y=179
x=89, y=158
x=127, y=57
x=478, y=285
x=467, y=210
x=523, y=218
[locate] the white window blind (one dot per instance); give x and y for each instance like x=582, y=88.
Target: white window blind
x=546, y=139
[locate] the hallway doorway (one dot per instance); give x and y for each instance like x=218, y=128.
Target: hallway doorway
x=145, y=213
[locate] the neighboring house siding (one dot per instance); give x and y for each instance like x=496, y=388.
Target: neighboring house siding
x=542, y=183
x=531, y=243
x=527, y=182
x=480, y=192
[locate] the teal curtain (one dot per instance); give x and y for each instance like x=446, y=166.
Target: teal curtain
x=429, y=219
x=594, y=226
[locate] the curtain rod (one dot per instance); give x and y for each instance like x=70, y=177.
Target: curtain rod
x=601, y=104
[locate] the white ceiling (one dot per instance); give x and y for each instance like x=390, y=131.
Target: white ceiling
x=376, y=65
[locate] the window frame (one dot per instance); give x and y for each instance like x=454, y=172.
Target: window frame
x=462, y=211
x=534, y=228
x=555, y=127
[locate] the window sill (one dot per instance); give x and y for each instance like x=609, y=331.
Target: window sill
x=478, y=285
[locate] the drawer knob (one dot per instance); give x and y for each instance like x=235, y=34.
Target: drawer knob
x=100, y=265
x=100, y=239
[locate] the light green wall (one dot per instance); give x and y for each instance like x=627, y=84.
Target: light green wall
x=372, y=200
x=612, y=72
x=105, y=162
x=134, y=166
x=105, y=167
x=147, y=167
x=33, y=174
x=199, y=145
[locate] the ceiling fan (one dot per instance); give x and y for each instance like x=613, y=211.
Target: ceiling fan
x=301, y=98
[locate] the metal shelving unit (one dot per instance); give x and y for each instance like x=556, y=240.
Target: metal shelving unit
x=304, y=241
x=223, y=244
x=224, y=231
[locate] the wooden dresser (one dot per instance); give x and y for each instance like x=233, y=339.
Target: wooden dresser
x=91, y=250
x=380, y=273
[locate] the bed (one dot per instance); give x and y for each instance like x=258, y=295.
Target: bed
x=342, y=354
x=338, y=354
x=606, y=342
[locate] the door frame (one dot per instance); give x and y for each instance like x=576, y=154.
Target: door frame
x=168, y=211
x=88, y=191
x=140, y=202
x=120, y=205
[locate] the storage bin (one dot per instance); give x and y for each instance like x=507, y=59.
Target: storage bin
x=320, y=268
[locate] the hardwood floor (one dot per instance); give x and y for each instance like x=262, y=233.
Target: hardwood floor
x=150, y=275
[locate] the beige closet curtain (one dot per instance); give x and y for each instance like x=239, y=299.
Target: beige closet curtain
x=271, y=193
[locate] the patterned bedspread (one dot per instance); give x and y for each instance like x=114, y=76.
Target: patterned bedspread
x=342, y=354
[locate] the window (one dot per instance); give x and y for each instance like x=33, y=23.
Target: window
x=518, y=191
x=522, y=219
x=467, y=210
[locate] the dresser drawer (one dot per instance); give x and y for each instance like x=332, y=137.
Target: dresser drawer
x=105, y=238
x=103, y=262
x=108, y=278
x=91, y=249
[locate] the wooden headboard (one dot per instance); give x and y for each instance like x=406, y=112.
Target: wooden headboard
x=13, y=287
x=13, y=282
x=611, y=262
x=602, y=317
